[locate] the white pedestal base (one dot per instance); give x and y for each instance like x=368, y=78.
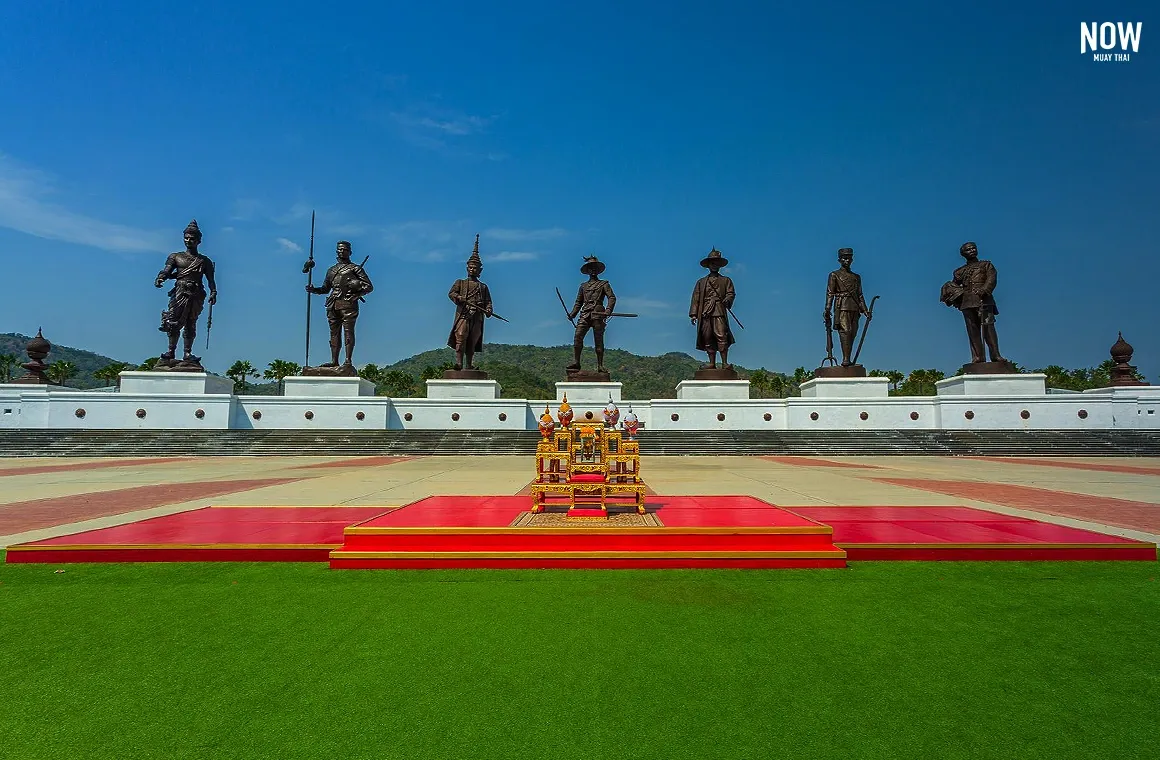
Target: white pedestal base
x=846, y=387
x=342, y=387
x=174, y=383
x=442, y=389
x=993, y=385
x=713, y=389
x=589, y=393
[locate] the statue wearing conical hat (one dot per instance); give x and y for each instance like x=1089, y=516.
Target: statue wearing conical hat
x=187, y=298
x=591, y=312
x=713, y=296
x=472, y=302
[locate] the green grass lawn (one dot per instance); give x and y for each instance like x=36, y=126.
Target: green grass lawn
x=922, y=660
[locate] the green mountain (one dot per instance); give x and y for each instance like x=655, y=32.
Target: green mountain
x=86, y=362
x=532, y=371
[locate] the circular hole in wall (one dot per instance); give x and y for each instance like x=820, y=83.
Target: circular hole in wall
x=140, y=414
x=1025, y=414
x=502, y=417
x=407, y=417
x=969, y=414
x=914, y=415
x=256, y=415
x=720, y=417
x=863, y=416
x=359, y=416
x=587, y=415
x=80, y=413
x=674, y=417
x=309, y=415
x=1082, y=414
x=767, y=416
x=455, y=416
x=813, y=415
x=200, y=414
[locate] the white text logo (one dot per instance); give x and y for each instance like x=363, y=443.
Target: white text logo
x=1096, y=37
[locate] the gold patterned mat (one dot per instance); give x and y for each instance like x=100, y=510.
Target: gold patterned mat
x=561, y=520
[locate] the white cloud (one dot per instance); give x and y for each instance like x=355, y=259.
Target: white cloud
x=514, y=256
x=24, y=207
x=289, y=245
x=509, y=234
x=428, y=241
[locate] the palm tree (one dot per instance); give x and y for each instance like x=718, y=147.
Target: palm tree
x=60, y=371
x=239, y=371
x=7, y=363
x=111, y=373
x=279, y=369
x=894, y=376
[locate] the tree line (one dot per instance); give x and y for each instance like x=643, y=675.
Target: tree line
x=399, y=384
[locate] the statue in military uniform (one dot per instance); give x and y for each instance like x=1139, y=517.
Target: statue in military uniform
x=344, y=286
x=186, y=299
x=713, y=297
x=472, y=302
x=845, y=306
x=970, y=290
x=591, y=313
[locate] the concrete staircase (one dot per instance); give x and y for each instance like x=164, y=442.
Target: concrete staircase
x=137, y=443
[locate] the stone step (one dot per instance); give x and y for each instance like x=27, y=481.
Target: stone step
x=89, y=443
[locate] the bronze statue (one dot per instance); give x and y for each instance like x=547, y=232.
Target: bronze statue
x=472, y=302
x=845, y=306
x=186, y=299
x=970, y=290
x=344, y=286
x=712, y=303
x=590, y=313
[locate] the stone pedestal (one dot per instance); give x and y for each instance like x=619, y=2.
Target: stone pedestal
x=711, y=390
x=322, y=386
x=588, y=393
x=715, y=373
x=993, y=385
x=175, y=384
x=342, y=370
x=444, y=389
x=854, y=370
x=587, y=376
x=464, y=374
x=846, y=387
x=990, y=368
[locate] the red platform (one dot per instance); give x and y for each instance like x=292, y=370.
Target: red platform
x=464, y=531
x=474, y=531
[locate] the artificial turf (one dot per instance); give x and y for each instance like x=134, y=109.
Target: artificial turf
x=883, y=660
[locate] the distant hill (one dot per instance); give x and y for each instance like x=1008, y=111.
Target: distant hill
x=86, y=361
x=532, y=371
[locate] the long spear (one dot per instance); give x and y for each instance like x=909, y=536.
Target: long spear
x=308, y=270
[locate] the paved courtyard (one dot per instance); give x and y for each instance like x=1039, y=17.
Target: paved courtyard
x=42, y=498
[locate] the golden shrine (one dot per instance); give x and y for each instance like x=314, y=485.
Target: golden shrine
x=588, y=463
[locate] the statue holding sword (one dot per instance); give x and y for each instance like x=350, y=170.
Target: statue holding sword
x=710, y=309
x=472, y=302
x=595, y=305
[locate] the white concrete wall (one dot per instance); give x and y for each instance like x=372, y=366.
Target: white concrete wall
x=25, y=406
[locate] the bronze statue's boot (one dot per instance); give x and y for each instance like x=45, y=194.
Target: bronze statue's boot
x=600, y=360
x=333, y=357
x=725, y=359
x=577, y=348
x=167, y=357
x=712, y=359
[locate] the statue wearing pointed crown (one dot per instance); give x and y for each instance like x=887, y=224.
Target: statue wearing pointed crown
x=186, y=299
x=472, y=302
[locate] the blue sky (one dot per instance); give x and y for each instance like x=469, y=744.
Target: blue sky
x=645, y=132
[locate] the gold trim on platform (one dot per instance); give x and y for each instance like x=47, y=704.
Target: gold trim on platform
x=340, y=554
x=1140, y=545
x=121, y=547
x=648, y=531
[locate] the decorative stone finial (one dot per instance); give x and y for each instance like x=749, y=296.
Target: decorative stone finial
x=37, y=349
x=1123, y=373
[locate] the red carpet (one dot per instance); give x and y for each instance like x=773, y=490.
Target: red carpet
x=474, y=531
